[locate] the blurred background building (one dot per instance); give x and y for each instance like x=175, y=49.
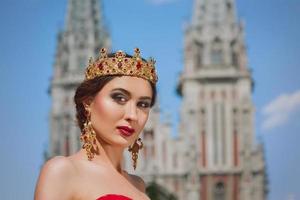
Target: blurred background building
x=84, y=35
x=214, y=156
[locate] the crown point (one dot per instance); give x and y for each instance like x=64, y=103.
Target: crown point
x=137, y=53
x=103, y=53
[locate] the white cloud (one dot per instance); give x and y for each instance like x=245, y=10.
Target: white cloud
x=278, y=111
x=160, y=2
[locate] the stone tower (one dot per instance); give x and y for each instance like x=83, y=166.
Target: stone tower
x=215, y=156
x=217, y=109
x=83, y=36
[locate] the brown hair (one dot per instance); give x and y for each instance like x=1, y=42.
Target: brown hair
x=88, y=89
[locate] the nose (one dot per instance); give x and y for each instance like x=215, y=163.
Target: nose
x=131, y=112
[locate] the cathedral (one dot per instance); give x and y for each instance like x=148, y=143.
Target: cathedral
x=215, y=155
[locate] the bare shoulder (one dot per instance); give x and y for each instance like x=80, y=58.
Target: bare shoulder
x=138, y=182
x=58, y=167
x=58, y=163
x=55, y=180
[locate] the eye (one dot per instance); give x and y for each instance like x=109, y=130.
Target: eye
x=144, y=104
x=119, y=98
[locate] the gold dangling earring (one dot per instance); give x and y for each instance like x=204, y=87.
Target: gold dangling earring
x=134, y=149
x=88, y=137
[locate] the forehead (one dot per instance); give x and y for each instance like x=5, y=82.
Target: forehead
x=135, y=86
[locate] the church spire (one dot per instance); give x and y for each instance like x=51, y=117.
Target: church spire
x=83, y=36
x=214, y=12
x=215, y=38
x=85, y=16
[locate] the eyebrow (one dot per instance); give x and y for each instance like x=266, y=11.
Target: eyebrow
x=129, y=94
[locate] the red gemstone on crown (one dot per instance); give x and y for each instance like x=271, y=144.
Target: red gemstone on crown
x=119, y=64
x=100, y=66
x=139, y=65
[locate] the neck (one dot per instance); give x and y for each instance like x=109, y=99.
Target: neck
x=112, y=155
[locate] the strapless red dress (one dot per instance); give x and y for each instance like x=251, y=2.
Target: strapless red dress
x=114, y=197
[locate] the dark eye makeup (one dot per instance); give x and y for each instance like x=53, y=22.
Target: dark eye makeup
x=144, y=104
x=119, y=97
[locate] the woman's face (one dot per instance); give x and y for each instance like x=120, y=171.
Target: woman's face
x=120, y=110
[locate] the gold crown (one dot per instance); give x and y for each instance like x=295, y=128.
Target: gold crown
x=121, y=65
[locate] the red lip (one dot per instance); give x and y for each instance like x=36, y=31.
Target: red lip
x=125, y=130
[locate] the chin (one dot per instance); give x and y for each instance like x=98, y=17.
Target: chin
x=122, y=142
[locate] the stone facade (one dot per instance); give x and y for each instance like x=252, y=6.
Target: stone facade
x=82, y=38
x=215, y=155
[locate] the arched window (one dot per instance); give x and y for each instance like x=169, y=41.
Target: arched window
x=64, y=68
x=148, y=150
x=229, y=5
x=219, y=191
x=198, y=54
x=234, y=55
x=216, y=52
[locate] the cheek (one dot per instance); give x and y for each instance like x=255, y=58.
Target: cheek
x=105, y=110
x=143, y=119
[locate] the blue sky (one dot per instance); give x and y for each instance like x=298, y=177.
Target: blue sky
x=27, y=49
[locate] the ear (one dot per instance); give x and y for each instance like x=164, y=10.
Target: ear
x=87, y=103
x=86, y=106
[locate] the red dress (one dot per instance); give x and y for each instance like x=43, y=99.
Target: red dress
x=114, y=197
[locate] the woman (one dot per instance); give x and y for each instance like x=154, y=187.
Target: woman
x=112, y=104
